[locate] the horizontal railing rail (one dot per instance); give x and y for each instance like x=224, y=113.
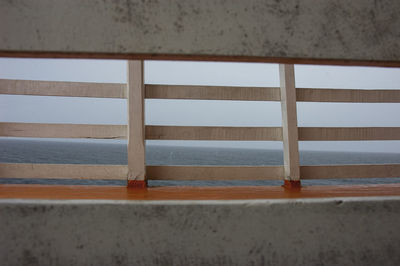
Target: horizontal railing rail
x=136, y=132
x=213, y=133
x=203, y=92
x=214, y=172
x=119, y=172
x=63, y=171
x=348, y=133
x=82, y=131
x=65, y=89
x=212, y=93
x=350, y=171
x=347, y=95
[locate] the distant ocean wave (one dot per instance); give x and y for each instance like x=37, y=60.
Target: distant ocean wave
x=42, y=151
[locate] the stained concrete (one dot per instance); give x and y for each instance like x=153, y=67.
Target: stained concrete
x=340, y=231
x=307, y=29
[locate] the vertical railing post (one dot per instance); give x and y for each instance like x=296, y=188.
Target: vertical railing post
x=136, y=125
x=289, y=126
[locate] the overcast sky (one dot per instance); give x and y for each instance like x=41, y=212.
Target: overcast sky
x=39, y=109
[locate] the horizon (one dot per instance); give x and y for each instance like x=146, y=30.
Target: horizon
x=209, y=145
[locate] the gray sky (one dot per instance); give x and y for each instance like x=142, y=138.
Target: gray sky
x=208, y=113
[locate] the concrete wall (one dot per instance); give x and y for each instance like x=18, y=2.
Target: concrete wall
x=358, y=231
x=264, y=29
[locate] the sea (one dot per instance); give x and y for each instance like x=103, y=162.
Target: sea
x=15, y=150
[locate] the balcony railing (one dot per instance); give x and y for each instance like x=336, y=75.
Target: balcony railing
x=136, y=132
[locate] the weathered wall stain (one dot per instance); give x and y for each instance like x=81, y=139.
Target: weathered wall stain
x=321, y=231
x=313, y=29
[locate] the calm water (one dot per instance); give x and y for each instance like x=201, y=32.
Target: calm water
x=42, y=151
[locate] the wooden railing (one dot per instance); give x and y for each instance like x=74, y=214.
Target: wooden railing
x=136, y=171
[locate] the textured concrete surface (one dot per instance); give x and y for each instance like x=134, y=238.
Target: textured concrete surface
x=341, y=231
x=308, y=29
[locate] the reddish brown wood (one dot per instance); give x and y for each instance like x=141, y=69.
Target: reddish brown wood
x=192, y=193
x=280, y=60
x=137, y=184
x=292, y=184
